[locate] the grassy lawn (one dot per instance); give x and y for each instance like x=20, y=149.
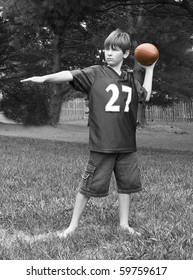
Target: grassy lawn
x=39, y=180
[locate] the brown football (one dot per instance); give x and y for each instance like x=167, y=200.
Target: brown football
x=146, y=54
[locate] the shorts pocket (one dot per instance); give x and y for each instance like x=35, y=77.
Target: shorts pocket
x=88, y=176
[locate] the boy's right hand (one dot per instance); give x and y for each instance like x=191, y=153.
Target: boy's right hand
x=35, y=79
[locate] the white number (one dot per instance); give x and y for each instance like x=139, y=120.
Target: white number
x=129, y=91
x=110, y=107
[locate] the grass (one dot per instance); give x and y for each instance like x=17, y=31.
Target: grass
x=39, y=181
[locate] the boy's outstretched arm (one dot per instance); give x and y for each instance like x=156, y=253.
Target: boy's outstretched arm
x=147, y=83
x=63, y=76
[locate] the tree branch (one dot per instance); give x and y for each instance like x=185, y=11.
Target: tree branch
x=149, y=2
x=188, y=6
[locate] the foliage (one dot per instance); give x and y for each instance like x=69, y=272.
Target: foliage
x=160, y=99
x=45, y=36
x=23, y=53
x=160, y=25
x=26, y=104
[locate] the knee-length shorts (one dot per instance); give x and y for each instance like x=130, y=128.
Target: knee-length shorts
x=98, y=171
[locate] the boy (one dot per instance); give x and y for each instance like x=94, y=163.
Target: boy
x=113, y=101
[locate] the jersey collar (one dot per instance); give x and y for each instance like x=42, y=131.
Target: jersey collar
x=109, y=67
x=123, y=74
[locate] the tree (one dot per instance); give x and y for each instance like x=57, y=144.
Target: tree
x=58, y=18
x=21, y=53
x=167, y=35
x=158, y=22
x=17, y=105
x=67, y=35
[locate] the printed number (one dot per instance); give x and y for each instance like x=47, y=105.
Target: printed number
x=110, y=107
x=115, y=94
x=129, y=91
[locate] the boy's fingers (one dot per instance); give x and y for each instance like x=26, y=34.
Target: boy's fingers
x=26, y=80
x=34, y=80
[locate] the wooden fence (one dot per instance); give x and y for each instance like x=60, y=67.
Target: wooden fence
x=179, y=112
x=73, y=110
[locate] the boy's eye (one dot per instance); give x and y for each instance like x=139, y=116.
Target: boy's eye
x=115, y=48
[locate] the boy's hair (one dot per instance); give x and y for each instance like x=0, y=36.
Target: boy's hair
x=118, y=38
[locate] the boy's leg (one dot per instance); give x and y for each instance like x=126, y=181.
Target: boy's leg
x=124, y=205
x=95, y=183
x=128, y=181
x=80, y=204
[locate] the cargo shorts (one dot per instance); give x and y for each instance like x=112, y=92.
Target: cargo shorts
x=99, y=169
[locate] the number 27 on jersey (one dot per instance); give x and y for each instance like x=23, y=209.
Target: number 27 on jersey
x=110, y=106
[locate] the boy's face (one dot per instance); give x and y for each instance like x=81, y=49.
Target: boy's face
x=114, y=55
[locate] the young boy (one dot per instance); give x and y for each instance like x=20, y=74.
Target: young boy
x=113, y=102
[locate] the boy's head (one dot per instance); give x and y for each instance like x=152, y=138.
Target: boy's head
x=119, y=39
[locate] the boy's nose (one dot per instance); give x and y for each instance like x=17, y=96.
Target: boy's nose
x=109, y=52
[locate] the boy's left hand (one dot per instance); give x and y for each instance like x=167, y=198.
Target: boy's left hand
x=149, y=66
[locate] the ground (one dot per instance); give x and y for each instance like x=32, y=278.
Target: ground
x=177, y=136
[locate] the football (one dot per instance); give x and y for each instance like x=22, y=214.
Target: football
x=146, y=54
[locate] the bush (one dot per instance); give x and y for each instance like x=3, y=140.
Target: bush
x=26, y=103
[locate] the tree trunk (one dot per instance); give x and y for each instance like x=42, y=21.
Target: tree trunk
x=139, y=75
x=141, y=118
x=55, y=105
x=56, y=97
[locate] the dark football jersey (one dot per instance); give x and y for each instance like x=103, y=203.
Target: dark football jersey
x=113, y=104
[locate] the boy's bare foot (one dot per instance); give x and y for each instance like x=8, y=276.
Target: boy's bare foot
x=42, y=237
x=130, y=230
x=66, y=232
x=34, y=238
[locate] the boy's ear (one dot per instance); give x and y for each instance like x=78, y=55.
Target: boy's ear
x=126, y=53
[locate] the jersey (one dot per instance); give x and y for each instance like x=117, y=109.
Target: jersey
x=113, y=104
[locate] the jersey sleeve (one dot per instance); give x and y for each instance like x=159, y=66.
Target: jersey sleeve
x=83, y=79
x=142, y=92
